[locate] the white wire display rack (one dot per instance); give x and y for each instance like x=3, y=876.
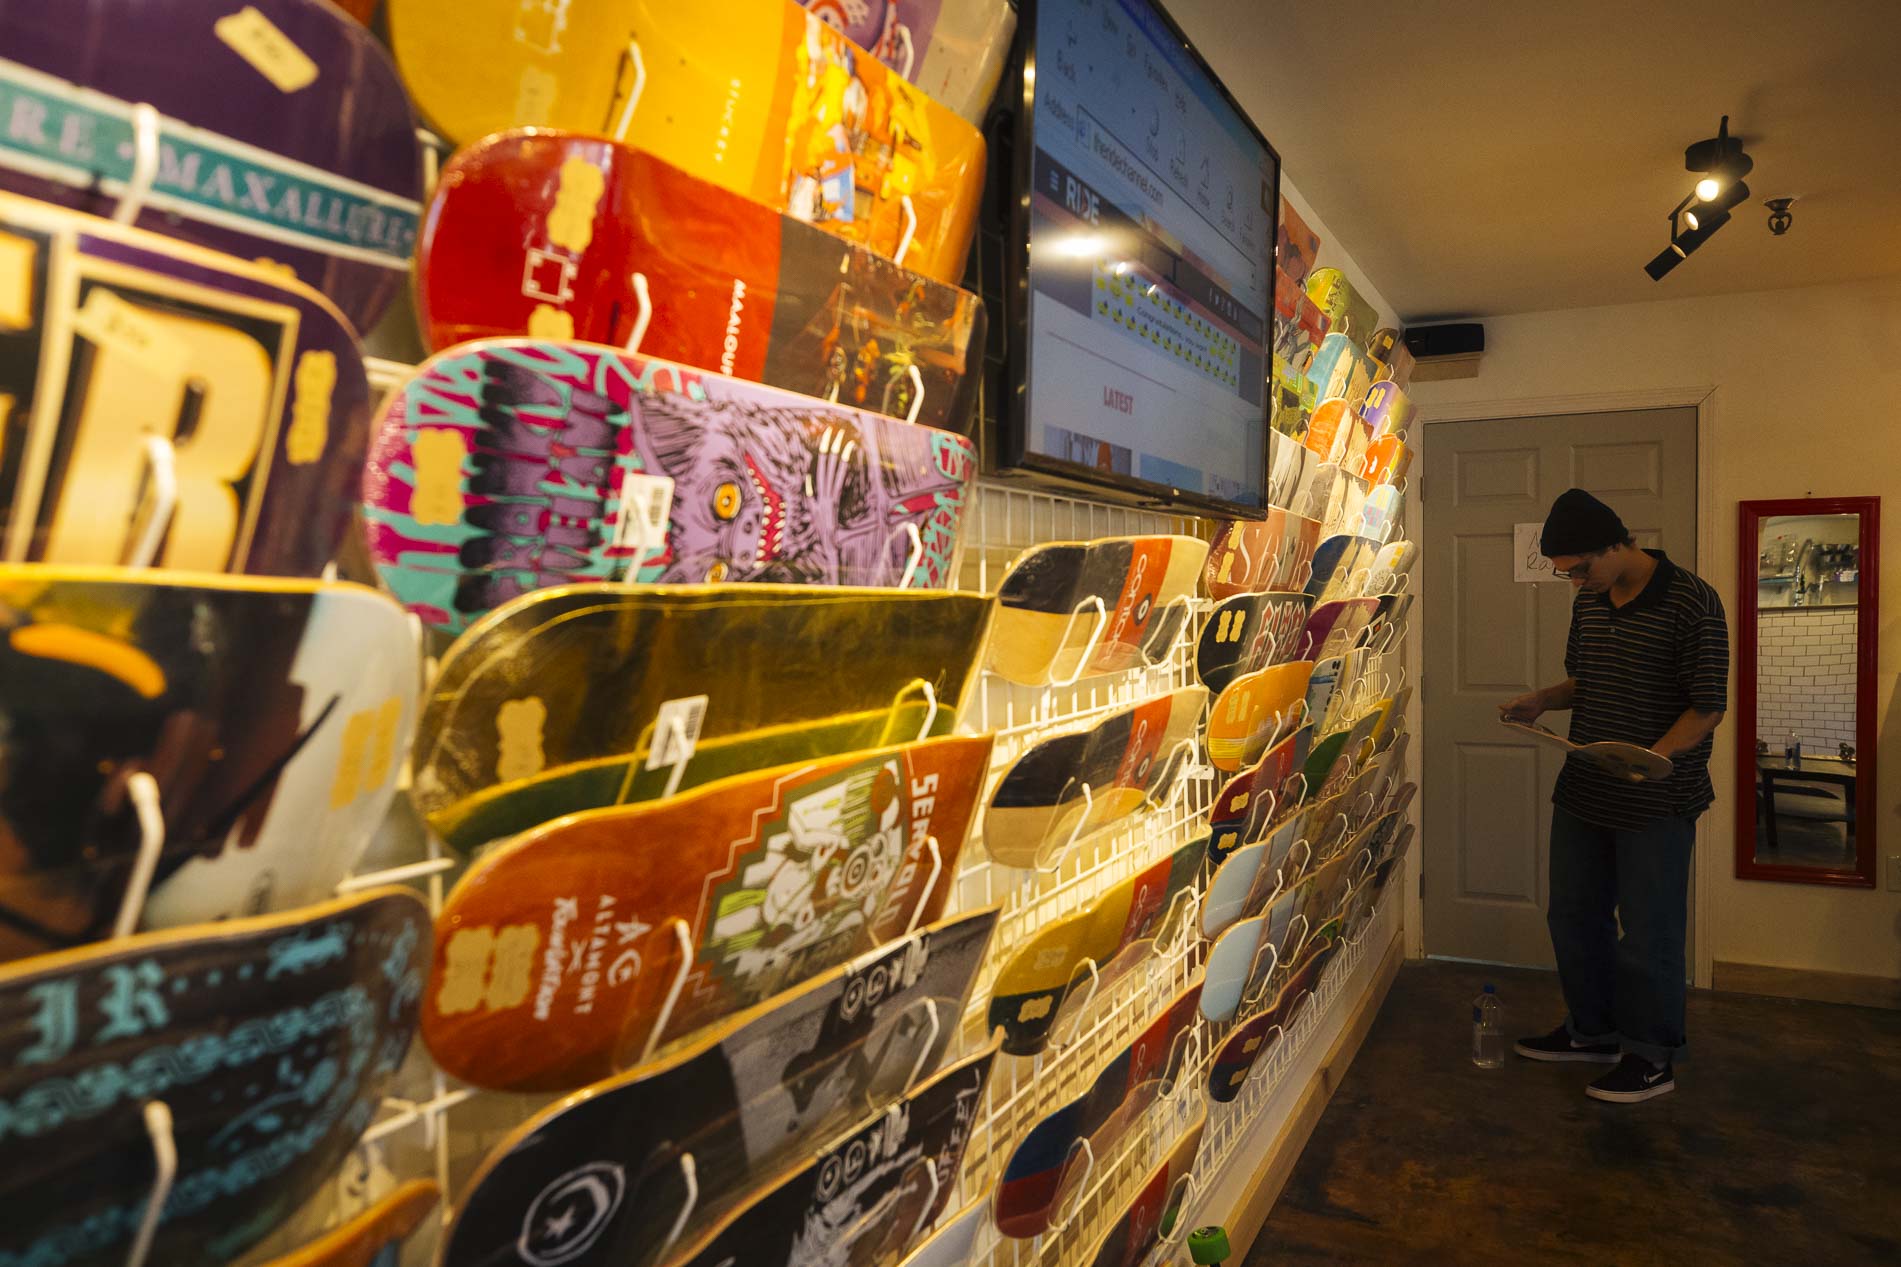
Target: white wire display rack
x=432, y=1125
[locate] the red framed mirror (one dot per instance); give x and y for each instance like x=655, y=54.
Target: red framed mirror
x=1806, y=632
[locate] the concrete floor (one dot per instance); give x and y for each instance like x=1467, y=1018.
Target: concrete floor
x=1781, y=1144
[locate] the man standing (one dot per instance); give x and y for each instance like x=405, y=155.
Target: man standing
x=1648, y=659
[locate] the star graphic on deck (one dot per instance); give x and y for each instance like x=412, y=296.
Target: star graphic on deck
x=558, y=1227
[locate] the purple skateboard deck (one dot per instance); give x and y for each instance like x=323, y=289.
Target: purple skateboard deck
x=283, y=131
x=512, y=465
x=255, y=380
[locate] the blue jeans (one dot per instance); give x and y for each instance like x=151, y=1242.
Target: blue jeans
x=1628, y=989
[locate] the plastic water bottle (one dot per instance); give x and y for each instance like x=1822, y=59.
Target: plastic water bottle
x=1488, y=1029
x=1792, y=752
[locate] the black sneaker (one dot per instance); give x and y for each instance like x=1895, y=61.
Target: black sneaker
x=1559, y=1045
x=1633, y=1080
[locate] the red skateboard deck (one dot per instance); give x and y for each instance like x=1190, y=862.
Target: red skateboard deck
x=1152, y=1215
x=556, y=235
x=774, y=877
x=788, y=113
x=599, y=1178
x=270, y=1040
x=114, y=336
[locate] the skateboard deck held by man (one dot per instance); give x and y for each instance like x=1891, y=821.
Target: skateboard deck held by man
x=270, y=1041
x=558, y=235
x=1628, y=760
x=273, y=718
x=789, y=114
x=587, y=680
x=768, y=879
x=598, y=1177
x=283, y=132
x=119, y=339
x=505, y=466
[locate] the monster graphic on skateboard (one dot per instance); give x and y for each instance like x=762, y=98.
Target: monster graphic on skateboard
x=268, y=721
x=558, y=235
x=664, y=916
x=281, y=132
x=267, y=1041
x=509, y=465
x=123, y=352
x=1071, y=785
x=582, y=696
x=601, y=1176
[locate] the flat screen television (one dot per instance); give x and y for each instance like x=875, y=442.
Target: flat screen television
x=1131, y=231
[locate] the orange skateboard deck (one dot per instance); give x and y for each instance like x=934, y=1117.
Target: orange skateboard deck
x=556, y=235
x=1253, y=556
x=757, y=96
x=570, y=683
x=769, y=878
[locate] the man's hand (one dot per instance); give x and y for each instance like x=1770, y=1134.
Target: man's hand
x=1526, y=708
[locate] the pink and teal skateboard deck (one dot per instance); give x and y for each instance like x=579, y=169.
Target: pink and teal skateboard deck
x=512, y=465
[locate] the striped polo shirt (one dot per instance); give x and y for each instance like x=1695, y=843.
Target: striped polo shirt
x=1638, y=667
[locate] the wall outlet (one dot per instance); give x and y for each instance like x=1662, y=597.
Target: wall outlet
x=1894, y=873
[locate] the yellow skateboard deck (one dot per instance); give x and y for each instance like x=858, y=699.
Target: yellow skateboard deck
x=757, y=96
x=600, y=684
x=1253, y=711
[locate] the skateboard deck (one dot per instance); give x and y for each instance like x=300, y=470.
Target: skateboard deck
x=1389, y=412
x=1247, y=1042
x=1333, y=430
x=1126, y=761
x=953, y=51
x=1112, y=931
x=1291, y=470
x=1049, y=625
x=789, y=114
x=511, y=465
x=1391, y=566
x=1346, y=498
x=372, y=1238
x=1341, y=567
x=1346, y=310
x=1322, y=758
x=1248, y=951
x=1298, y=245
x=1045, y=1168
x=1387, y=460
x=574, y=681
x=867, y=1194
x=1334, y=627
x=556, y=235
x=1247, y=879
x=274, y=717
x=113, y=336
x=1395, y=360
x=283, y=132
x=1257, y=795
x=1249, y=632
x=1157, y=1205
x=1627, y=760
x=1299, y=328
x=955, y=1243
x=597, y=1177
x=774, y=877
x=1257, y=555
x=1379, y=516
x=269, y=1039
x=1339, y=371
x=1253, y=712
x=1321, y=687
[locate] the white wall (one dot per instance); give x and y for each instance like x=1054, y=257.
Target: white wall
x=1807, y=402
x=1805, y=677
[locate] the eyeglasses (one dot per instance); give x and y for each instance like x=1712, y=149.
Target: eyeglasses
x=1582, y=572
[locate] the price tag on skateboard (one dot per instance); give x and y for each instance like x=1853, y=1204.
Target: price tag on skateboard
x=646, y=508
x=270, y=52
x=676, y=731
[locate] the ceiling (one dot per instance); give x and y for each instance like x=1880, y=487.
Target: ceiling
x=1482, y=157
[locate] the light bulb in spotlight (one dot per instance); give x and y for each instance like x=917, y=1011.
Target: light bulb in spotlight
x=1708, y=188
x=1689, y=218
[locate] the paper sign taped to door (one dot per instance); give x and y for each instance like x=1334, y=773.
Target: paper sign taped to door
x=1528, y=561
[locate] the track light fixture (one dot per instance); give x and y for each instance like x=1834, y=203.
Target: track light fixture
x=1706, y=208
x=1780, y=217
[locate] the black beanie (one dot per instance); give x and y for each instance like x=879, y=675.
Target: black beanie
x=1580, y=524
